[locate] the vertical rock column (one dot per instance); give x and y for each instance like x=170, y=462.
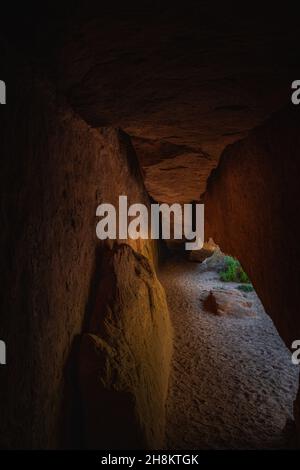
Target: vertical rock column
x=125, y=356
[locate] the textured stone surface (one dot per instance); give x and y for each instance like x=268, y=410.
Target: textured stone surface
x=183, y=80
x=182, y=83
x=252, y=206
x=228, y=302
x=125, y=356
x=209, y=248
x=233, y=382
x=54, y=174
x=297, y=414
x=252, y=211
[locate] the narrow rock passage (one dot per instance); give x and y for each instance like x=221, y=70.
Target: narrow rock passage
x=232, y=382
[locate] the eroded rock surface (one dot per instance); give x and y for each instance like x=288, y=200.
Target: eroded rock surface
x=233, y=382
x=252, y=211
x=252, y=205
x=184, y=81
x=125, y=356
x=55, y=173
x=209, y=249
x=229, y=302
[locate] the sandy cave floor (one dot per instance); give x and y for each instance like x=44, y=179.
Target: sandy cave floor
x=233, y=383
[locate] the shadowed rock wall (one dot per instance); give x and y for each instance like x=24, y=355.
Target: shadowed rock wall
x=252, y=207
x=55, y=170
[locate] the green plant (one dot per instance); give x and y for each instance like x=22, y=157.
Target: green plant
x=233, y=271
x=246, y=287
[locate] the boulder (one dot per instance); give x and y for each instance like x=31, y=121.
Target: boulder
x=125, y=357
x=208, y=249
x=228, y=302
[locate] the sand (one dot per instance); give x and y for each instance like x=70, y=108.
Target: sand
x=232, y=383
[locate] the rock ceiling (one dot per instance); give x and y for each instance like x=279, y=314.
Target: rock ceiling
x=182, y=82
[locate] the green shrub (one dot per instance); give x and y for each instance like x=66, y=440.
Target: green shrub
x=246, y=287
x=233, y=271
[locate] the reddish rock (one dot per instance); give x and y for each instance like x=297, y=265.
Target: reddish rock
x=252, y=207
x=228, y=302
x=182, y=82
x=125, y=358
x=209, y=248
x=55, y=171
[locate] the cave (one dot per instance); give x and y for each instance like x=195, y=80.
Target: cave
x=232, y=381
x=165, y=103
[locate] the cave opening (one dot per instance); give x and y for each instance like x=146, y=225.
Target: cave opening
x=232, y=382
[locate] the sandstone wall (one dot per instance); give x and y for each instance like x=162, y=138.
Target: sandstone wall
x=123, y=357
x=55, y=170
x=252, y=207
